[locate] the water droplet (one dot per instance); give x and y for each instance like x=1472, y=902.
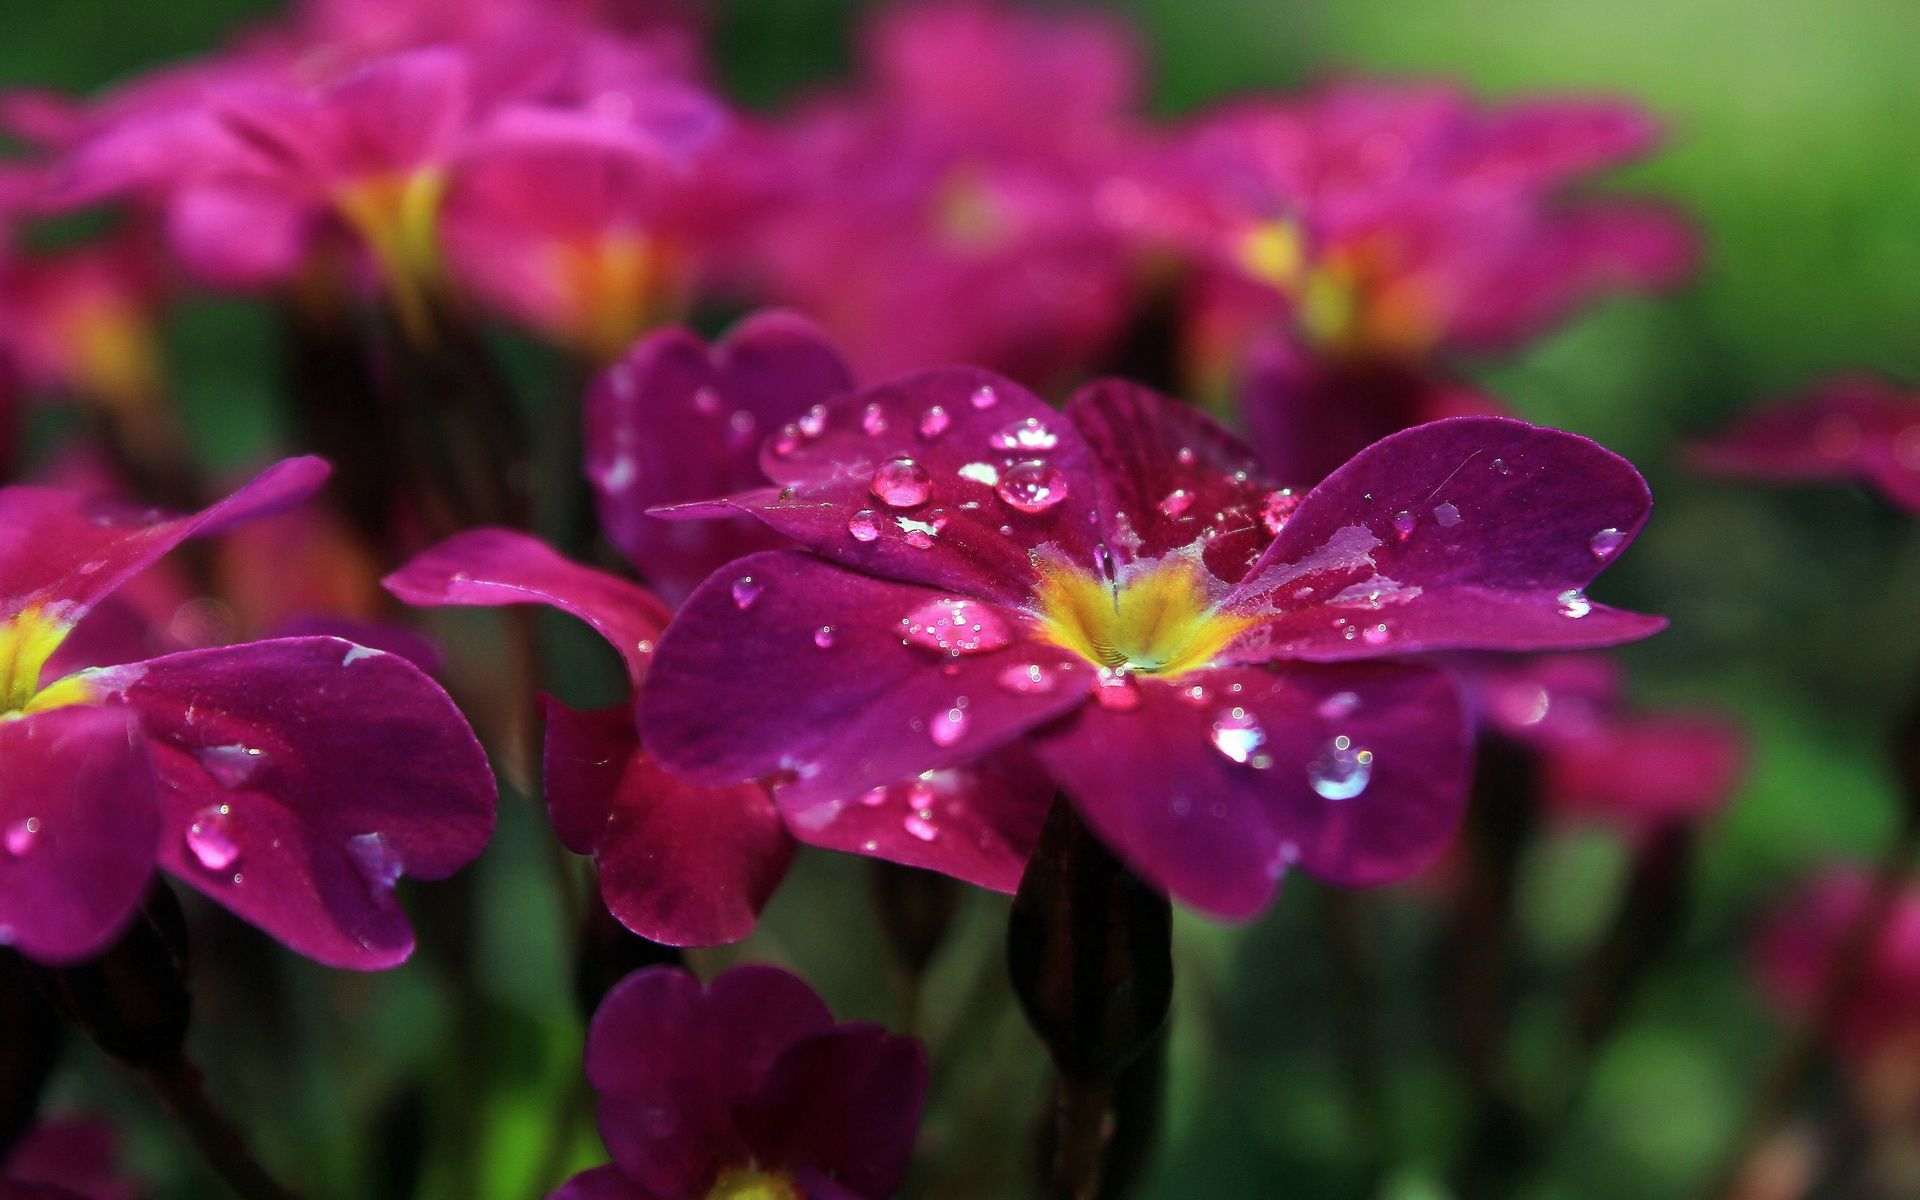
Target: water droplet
x=1277, y=509
x=740, y=427
x=1340, y=771
x=1606, y=542
x=874, y=420
x=1179, y=500
x=1500, y=467
x=1339, y=705
x=231, y=766
x=1028, y=433
x=21, y=835
x=920, y=827
x=1026, y=679
x=746, y=590
x=1185, y=456
x=955, y=625
x=214, y=837
x=934, y=422
x=1404, y=523
x=823, y=637
x=788, y=441
x=1236, y=734
x=862, y=526
x=814, y=423
x=1195, y=695
x=918, y=534
x=902, y=483
x=1447, y=515
x=1032, y=486
x=1374, y=635
x=706, y=400
x=984, y=397
x=874, y=797
x=375, y=858
x=980, y=472
x=948, y=726
x=1116, y=690
x=1574, y=603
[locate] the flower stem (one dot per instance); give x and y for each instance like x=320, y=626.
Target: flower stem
x=184, y=1095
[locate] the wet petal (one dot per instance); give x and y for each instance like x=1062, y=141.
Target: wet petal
x=1212, y=796
x=743, y=686
x=1470, y=533
x=417, y=648
x=1171, y=475
x=77, y=826
x=679, y=864
x=301, y=778
x=676, y=421
x=957, y=433
x=498, y=566
x=845, y=1102
x=61, y=548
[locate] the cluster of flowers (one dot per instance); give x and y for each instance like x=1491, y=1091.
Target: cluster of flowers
x=893, y=606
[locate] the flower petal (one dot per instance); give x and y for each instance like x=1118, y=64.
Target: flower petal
x=846, y=1102
x=62, y=548
x=1469, y=533
x=950, y=441
x=498, y=566
x=1854, y=427
x=77, y=827
x=786, y=662
x=304, y=776
x=679, y=864
x=1177, y=786
x=675, y=421
x=601, y=1183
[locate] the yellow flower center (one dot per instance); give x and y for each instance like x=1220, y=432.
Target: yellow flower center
x=614, y=287
x=111, y=353
x=398, y=216
x=1352, y=297
x=969, y=215
x=1157, y=619
x=27, y=641
x=751, y=1183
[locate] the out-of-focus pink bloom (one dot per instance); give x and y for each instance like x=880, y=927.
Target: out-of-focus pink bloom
x=293, y=781
x=746, y=1090
x=1795, y=957
x=1856, y=429
x=1183, y=647
x=79, y=1157
x=83, y=322
x=1601, y=761
x=949, y=208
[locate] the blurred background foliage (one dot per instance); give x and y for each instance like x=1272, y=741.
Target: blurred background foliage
x=1793, y=141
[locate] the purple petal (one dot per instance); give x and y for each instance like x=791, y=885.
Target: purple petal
x=845, y=1102
x=952, y=442
x=303, y=777
x=675, y=421
x=1169, y=473
x=1644, y=772
x=1470, y=533
x=1855, y=427
x=785, y=662
x=976, y=821
x=77, y=827
x=601, y=1183
x=1213, y=795
x=498, y=566
x=679, y=864
x=58, y=547
x=413, y=646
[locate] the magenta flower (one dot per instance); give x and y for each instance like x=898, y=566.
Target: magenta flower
x=293, y=781
x=1795, y=954
x=1602, y=761
x=929, y=216
x=1856, y=428
x=1118, y=589
x=67, y=1158
x=745, y=1090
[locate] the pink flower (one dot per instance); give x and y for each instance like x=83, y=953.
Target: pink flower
x=1855, y=428
x=73, y=1158
x=1795, y=957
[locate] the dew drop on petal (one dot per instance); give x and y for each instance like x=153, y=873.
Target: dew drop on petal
x=231, y=766
x=1194, y=694
x=1606, y=542
x=1027, y=679
x=1277, y=508
x=814, y=423
x=214, y=837
x=375, y=858
x=1185, y=455
x=1374, y=635
x=707, y=400
x=1116, y=690
x=823, y=637
x=1574, y=603
x=920, y=827
x=1500, y=467
x=746, y=590
x=1032, y=486
x=1236, y=734
x=956, y=625
x=948, y=726
x=1179, y=500
x=788, y=441
x=874, y=420
x=1447, y=515
x=934, y=422
x=919, y=539
x=1340, y=771
x=902, y=483
x=984, y=397
x=1404, y=523
x=874, y=797
x=1338, y=705
x=1028, y=433
x=863, y=526
x=920, y=794
x=980, y=472
x=21, y=835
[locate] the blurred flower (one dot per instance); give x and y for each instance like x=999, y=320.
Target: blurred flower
x=72, y=1157
x=1796, y=956
x=293, y=781
x=1855, y=428
x=82, y=322
x=984, y=566
x=950, y=207
x=745, y=1090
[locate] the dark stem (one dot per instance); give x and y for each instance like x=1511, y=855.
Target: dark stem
x=336, y=399
x=915, y=909
x=1649, y=920
x=30, y=1039
x=183, y=1094
x=1089, y=947
x=1343, y=918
